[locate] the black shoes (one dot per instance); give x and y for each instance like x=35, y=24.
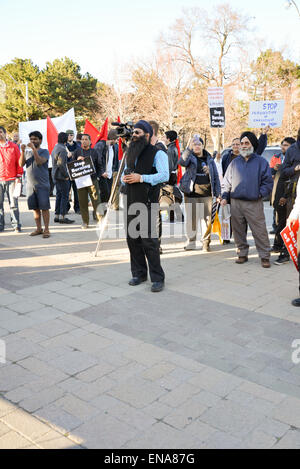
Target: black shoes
x=135, y=281
x=157, y=287
x=56, y=220
x=282, y=260
x=296, y=303
x=66, y=221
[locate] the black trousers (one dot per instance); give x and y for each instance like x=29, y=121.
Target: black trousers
x=51, y=182
x=105, y=186
x=281, y=219
x=144, y=250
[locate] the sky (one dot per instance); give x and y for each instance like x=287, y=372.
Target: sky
x=102, y=36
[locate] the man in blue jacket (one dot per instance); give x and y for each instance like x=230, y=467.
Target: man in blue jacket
x=247, y=181
x=232, y=153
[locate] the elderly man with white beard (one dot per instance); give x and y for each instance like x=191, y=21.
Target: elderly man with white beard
x=247, y=181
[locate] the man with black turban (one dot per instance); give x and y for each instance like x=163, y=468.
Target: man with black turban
x=147, y=168
x=247, y=181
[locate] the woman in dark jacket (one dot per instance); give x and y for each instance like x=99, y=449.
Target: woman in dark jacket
x=200, y=185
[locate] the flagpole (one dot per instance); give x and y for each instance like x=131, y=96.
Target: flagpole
x=104, y=223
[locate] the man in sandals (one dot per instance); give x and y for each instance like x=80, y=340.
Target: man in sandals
x=38, y=185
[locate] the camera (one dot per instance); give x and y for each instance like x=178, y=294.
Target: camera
x=124, y=130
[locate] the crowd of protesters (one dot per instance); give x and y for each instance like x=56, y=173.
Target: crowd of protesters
x=239, y=180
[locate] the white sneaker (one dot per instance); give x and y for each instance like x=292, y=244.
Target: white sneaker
x=84, y=226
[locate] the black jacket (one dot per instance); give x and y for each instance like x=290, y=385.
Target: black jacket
x=102, y=149
x=173, y=157
x=95, y=157
x=292, y=159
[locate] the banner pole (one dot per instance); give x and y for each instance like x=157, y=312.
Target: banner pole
x=104, y=222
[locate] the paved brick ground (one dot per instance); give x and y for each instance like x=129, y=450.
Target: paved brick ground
x=93, y=363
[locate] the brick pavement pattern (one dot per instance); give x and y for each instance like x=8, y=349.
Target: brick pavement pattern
x=94, y=363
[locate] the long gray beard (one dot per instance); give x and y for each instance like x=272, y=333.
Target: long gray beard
x=246, y=153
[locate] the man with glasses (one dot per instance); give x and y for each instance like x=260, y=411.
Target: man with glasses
x=147, y=168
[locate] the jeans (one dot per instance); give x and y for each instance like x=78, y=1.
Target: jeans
x=62, y=197
x=8, y=188
x=75, y=193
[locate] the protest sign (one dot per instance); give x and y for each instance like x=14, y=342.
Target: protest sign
x=217, y=117
x=217, y=107
x=289, y=237
x=266, y=113
x=82, y=168
x=215, y=97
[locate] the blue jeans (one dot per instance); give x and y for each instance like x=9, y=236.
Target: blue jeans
x=75, y=192
x=8, y=188
x=62, y=197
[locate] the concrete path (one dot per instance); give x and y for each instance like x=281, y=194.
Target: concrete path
x=94, y=363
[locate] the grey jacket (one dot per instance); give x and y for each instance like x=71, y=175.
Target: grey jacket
x=59, y=157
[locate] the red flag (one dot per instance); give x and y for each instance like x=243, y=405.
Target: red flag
x=120, y=149
x=52, y=135
x=289, y=237
x=120, y=143
x=179, y=176
x=90, y=130
x=103, y=132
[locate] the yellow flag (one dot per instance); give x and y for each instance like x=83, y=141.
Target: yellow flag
x=216, y=228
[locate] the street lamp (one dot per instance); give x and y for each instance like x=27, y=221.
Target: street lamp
x=290, y=3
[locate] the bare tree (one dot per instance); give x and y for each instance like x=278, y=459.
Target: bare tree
x=219, y=35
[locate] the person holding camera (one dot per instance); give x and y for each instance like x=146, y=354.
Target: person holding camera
x=199, y=184
x=147, y=168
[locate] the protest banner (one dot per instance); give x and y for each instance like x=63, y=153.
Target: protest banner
x=62, y=123
x=82, y=168
x=266, y=113
x=289, y=236
x=217, y=107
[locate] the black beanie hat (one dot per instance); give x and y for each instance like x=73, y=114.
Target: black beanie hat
x=172, y=135
x=252, y=137
x=145, y=126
